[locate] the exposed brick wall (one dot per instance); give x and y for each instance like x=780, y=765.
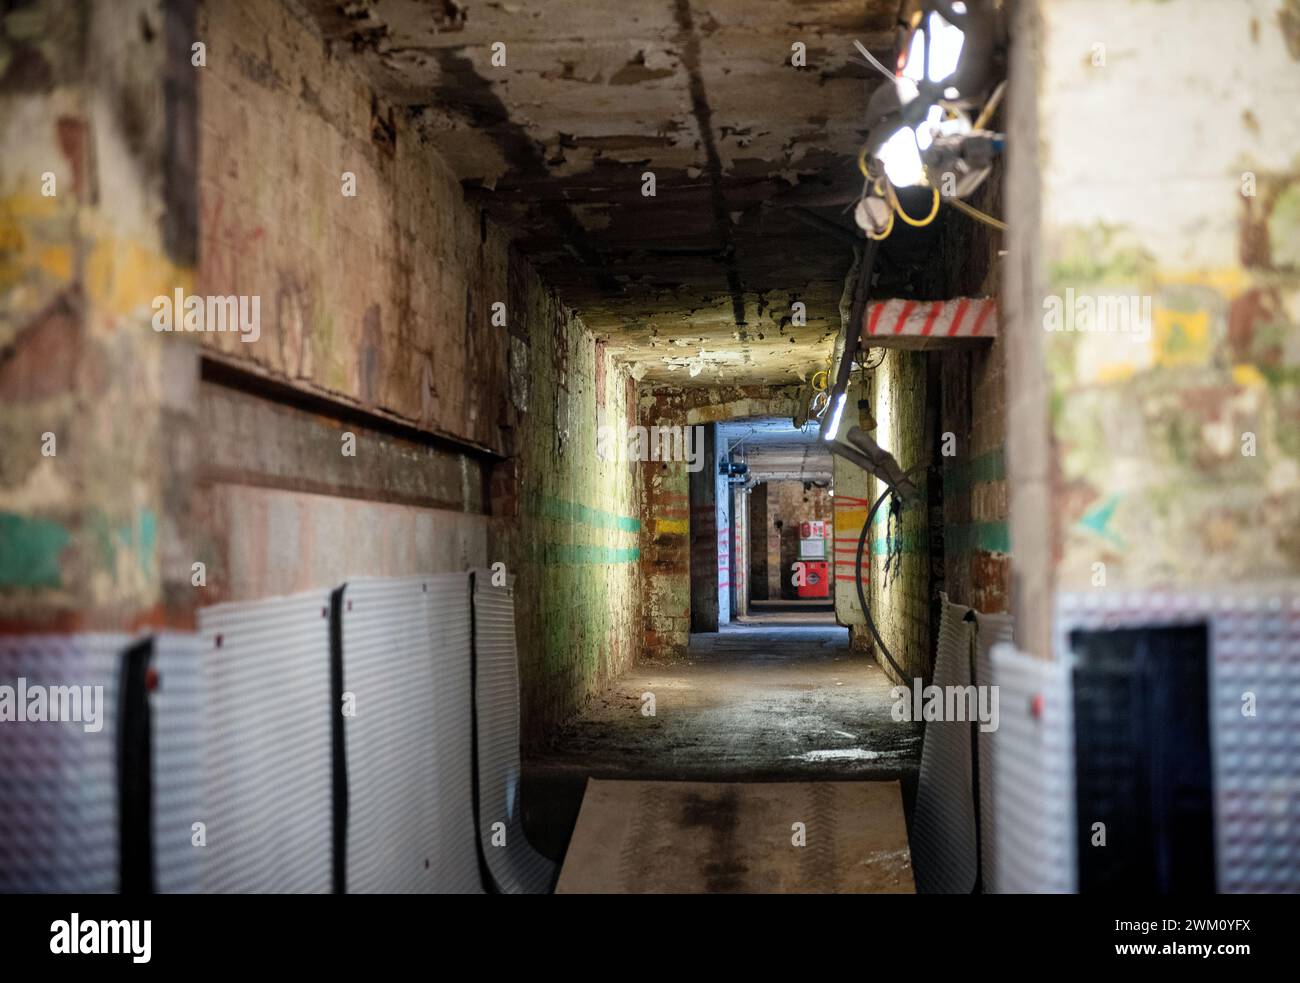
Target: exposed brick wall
x=977, y=557
x=666, y=517
x=665, y=557
x=384, y=301
x=790, y=504
x=900, y=599
x=379, y=302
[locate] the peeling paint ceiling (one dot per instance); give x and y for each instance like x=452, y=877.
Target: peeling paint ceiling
x=695, y=284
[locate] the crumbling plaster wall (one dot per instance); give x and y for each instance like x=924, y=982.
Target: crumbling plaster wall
x=475, y=439
x=86, y=241
x=376, y=305
x=404, y=302
x=1130, y=456
x=382, y=299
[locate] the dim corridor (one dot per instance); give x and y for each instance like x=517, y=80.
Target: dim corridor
x=420, y=422
x=774, y=697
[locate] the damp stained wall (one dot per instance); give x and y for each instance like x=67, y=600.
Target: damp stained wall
x=475, y=440
x=86, y=241
x=976, y=537
x=567, y=521
x=1165, y=457
x=381, y=299
x=376, y=302
x=406, y=302
x=899, y=593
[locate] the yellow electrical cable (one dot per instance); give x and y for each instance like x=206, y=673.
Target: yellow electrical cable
x=825, y=377
x=976, y=214
x=885, y=232
x=876, y=186
x=990, y=107
x=916, y=223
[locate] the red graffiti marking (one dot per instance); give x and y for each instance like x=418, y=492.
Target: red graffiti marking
x=224, y=244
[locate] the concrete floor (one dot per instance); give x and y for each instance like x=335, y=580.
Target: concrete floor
x=774, y=697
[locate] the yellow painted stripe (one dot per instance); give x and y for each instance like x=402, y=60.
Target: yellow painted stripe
x=666, y=526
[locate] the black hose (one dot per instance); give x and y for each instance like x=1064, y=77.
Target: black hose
x=857, y=571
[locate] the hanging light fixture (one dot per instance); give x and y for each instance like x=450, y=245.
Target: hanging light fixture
x=837, y=413
x=948, y=55
x=935, y=49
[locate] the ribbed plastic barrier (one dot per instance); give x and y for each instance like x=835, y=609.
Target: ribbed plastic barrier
x=512, y=863
x=943, y=828
x=176, y=755
x=990, y=630
x=1033, y=772
x=406, y=675
x=268, y=768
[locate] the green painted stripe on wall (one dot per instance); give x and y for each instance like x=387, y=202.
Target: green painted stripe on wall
x=991, y=537
x=557, y=508
x=577, y=553
x=989, y=466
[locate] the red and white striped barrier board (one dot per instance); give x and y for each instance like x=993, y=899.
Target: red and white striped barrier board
x=965, y=317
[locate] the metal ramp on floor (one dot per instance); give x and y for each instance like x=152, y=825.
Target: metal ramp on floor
x=739, y=838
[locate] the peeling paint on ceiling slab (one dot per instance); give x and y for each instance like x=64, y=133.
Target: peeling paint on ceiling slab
x=694, y=285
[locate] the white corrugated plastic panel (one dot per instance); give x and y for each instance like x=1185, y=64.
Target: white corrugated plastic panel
x=177, y=738
x=267, y=745
x=410, y=745
x=396, y=656
x=990, y=630
x=1033, y=773
x=453, y=715
x=1254, y=637
x=515, y=867
x=943, y=827
x=58, y=780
